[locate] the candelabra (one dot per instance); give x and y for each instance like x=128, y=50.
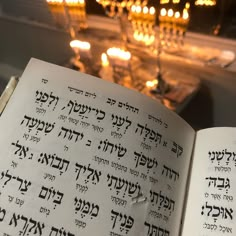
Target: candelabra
x=119, y=58
x=173, y=26
x=171, y=31
x=143, y=21
x=119, y=9
x=69, y=13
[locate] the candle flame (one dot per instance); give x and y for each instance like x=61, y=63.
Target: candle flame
x=185, y=14
x=145, y=10
x=68, y=2
x=170, y=12
x=152, y=10
x=138, y=9
x=118, y=54
x=163, y=12
x=205, y=2
x=104, y=59
x=151, y=84
x=187, y=5
x=80, y=45
x=177, y=15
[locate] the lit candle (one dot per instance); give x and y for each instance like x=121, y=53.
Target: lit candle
x=81, y=48
x=163, y=12
x=104, y=59
x=205, y=2
x=170, y=12
x=151, y=84
x=118, y=57
x=177, y=15
x=145, y=10
x=164, y=1
x=185, y=14
x=152, y=10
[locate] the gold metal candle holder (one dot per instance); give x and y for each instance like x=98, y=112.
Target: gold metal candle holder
x=173, y=26
x=143, y=21
x=69, y=13
x=119, y=9
x=120, y=61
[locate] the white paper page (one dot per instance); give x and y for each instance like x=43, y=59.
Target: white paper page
x=210, y=207
x=76, y=152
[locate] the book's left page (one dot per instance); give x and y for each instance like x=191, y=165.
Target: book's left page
x=81, y=156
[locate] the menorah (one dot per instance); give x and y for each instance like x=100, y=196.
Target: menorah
x=173, y=26
x=119, y=58
x=170, y=34
x=69, y=14
x=143, y=20
x=118, y=9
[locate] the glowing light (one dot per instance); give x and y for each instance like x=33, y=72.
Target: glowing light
x=151, y=84
x=69, y=2
x=164, y=1
x=133, y=8
x=185, y=14
x=145, y=10
x=138, y=9
x=152, y=38
x=177, y=15
x=163, y=12
x=104, y=59
x=77, y=44
x=205, y=2
x=118, y=53
x=170, y=13
x=140, y=37
x=187, y=5
x=152, y=10
x=176, y=1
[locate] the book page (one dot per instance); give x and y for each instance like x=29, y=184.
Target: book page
x=81, y=156
x=211, y=202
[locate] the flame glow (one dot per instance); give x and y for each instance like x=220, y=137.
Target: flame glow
x=205, y=2
x=170, y=13
x=68, y=2
x=163, y=12
x=151, y=84
x=80, y=45
x=118, y=53
x=104, y=59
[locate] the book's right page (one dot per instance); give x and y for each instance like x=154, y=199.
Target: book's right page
x=211, y=204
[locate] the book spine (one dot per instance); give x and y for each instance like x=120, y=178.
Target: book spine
x=8, y=92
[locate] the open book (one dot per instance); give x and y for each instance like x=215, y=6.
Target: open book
x=82, y=156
